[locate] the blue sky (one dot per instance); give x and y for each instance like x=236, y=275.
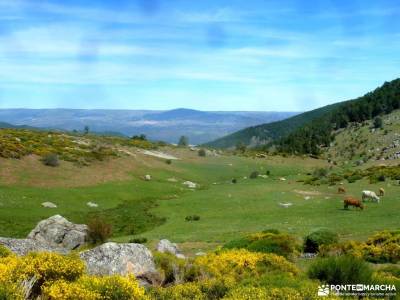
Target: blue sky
x=211, y=54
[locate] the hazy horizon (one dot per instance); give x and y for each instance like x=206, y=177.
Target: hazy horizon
x=222, y=55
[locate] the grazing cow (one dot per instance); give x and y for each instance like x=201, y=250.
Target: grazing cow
x=351, y=201
x=341, y=190
x=370, y=195
x=381, y=192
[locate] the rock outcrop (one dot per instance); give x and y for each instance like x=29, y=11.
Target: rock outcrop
x=24, y=246
x=58, y=232
x=119, y=259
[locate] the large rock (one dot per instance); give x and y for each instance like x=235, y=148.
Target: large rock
x=24, y=246
x=165, y=246
x=120, y=259
x=58, y=232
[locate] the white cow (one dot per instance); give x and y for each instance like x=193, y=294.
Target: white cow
x=370, y=195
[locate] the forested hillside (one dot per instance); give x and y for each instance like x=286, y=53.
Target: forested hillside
x=307, y=132
x=309, y=138
x=264, y=133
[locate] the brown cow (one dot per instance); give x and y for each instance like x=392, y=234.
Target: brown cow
x=351, y=201
x=381, y=192
x=341, y=190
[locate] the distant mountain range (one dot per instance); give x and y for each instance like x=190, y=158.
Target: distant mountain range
x=199, y=126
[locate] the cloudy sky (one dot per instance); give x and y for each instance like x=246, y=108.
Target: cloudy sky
x=208, y=54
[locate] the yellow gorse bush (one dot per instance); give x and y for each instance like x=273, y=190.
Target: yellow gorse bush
x=382, y=247
x=189, y=290
x=63, y=290
x=96, y=287
x=43, y=266
x=238, y=262
x=63, y=277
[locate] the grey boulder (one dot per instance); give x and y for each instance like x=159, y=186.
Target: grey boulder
x=119, y=259
x=24, y=246
x=165, y=246
x=58, y=232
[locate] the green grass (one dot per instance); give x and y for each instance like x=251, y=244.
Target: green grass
x=157, y=209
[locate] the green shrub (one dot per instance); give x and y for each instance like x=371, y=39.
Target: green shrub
x=168, y=161
x=192, y=218
x=202, y=152
x=392, y=270
x=140, y=240
x=266, y=242
x=340, y=270
x=99, y=230
x=234, y=180
x=378, y=123
x=254, y=175
x=173, y=269
x=271, y=230
x=4, y=251
x=354, y=178
x=10, y=292
x=51, y=160
x=319, y=237
x=320, y=173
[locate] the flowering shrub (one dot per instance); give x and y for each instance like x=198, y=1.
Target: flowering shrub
x=62, y=277
x=93, y=288
x=177, y=292
x=382, y=247
x=240, y=263
x=63, y=290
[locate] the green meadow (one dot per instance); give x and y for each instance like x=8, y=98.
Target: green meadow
x=157, y=208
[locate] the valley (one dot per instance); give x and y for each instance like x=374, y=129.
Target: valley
x=157, y=208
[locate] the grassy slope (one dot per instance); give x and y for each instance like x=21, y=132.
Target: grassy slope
x=270, y=131
x=361, y=142
x=226, y=210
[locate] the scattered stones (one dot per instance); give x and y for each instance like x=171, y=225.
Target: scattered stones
x=58, y=232
x=307, y=198
x=172, y=179
x=119, y=259
x=282, y=179
x=92, y=204
x=200, y=253
x=147, y=177
x=190, y=185
x=49, y=205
